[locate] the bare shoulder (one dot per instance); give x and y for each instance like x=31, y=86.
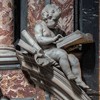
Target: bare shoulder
x=38, y=29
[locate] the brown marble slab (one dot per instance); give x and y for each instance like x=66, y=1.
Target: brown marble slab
x=15, y=85
x=6, y=22
x=34, y=10
x=66, y=20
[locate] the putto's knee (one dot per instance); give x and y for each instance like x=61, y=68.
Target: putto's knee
x=62, y=53
x=73, y=59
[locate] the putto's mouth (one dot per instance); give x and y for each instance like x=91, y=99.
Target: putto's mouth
x=44, y=19
x=50, y=17
x=50, y=21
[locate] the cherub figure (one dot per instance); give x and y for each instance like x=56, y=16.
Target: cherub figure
x=47, y=39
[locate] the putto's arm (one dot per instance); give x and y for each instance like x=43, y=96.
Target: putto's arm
x=43, y=40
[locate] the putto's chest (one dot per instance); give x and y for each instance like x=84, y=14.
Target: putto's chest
x=47, y=32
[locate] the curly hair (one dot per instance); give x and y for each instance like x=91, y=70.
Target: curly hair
x=55, y=10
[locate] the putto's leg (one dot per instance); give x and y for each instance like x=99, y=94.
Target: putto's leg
x=74, y=62
x=61, y=57
x=66, y=68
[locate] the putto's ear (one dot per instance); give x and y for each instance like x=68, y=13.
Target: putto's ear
x=59, y=10
x=42, y=13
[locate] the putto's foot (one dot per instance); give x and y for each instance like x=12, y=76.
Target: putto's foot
x=92, y=92
x=82, y=84
x=71, y=77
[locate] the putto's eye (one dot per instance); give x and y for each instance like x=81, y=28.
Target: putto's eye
x=53, y=11
x=42, y=14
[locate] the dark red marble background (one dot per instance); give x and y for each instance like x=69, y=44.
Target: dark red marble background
x=6, y=22
x=65, y=21
x=34, y=13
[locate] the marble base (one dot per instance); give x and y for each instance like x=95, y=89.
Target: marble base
x=8, y=59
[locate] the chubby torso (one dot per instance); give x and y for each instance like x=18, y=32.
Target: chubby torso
x=46, y=32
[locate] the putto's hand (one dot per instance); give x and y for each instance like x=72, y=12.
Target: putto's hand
x=60, y=40
x=56, y=38
x=59, y=36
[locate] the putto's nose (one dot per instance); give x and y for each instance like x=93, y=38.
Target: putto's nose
x=49, y=17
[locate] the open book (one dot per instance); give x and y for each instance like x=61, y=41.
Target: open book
x=75, y=38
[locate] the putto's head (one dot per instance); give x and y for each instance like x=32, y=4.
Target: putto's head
x=50, y=14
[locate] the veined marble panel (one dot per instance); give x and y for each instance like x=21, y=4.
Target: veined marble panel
x=6, y=22
x=15, y=85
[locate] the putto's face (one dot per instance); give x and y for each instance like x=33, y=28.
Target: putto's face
x=51, y=14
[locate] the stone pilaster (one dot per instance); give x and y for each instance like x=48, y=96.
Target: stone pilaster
x=7, y=51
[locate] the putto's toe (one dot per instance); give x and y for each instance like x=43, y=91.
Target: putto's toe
x=71, y=77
